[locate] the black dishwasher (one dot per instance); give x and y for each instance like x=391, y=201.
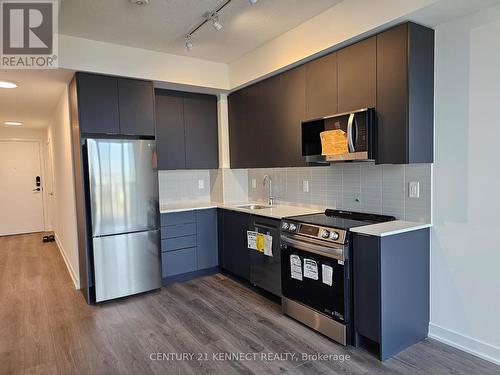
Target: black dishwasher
x=265, y=271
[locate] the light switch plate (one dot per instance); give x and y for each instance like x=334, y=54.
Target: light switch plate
x=414, y=189
x=254, y=183
x=305, y=186
x=201, y=184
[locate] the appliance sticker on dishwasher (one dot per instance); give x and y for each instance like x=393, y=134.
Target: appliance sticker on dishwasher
x=268, y=245
x=252, y=239
x=296, y=267
x=327, y=274
x=310, y=269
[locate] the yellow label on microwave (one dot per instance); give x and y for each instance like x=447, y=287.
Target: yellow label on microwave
x=334, y=142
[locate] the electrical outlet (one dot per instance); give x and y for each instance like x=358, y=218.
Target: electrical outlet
x=414, y=189
x=254, y=183
x=305, y=186
x=201, y=184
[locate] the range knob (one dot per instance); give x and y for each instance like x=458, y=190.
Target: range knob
x=334, y=236
x=325, y=233
x=293, y=227
x=285, y=225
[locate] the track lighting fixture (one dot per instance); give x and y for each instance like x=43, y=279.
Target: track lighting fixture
x=189, y=42
x=214, y=17
x=211, y=16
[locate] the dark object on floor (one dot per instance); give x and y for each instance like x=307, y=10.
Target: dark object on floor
x=49, y=238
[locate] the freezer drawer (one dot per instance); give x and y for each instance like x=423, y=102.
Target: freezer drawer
x=126, y=264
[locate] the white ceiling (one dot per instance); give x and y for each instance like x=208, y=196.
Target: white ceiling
x=163, y=24
x=34, y=100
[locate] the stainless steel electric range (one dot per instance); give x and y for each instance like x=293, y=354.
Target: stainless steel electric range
x=316, y=270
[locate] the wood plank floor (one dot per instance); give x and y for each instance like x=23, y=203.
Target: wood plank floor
x=47, y=328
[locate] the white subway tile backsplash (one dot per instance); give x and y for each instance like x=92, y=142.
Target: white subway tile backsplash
x=182, y=185
x=334, y=183
x=362, y=187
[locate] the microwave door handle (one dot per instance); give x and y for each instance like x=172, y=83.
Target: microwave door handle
x=350, y=123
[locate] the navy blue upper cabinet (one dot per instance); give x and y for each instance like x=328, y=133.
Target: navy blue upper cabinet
x=186, y=130
x=169, y=108
x=135, y=99
x=405, y=95
x=321, y=87
x=357, y=81
x=117, y=106
x=98, y=104
x=202, y=140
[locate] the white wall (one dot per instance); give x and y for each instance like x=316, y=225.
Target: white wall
x=65, y=227
x=41, y=136
x=108, y=58
x=465, y=255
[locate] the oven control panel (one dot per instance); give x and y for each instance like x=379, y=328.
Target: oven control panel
x=314, y=231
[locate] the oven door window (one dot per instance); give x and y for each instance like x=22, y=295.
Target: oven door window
x=321, y=285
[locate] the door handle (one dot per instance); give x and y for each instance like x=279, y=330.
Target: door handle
x=336, y=253
x=37, y=189
x=350, y=123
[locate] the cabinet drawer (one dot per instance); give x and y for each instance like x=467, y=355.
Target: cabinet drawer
x=171, y=244
x=178, y=262
x=180, y=230
x=175, y=218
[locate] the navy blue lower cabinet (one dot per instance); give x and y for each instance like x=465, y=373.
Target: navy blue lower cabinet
x=178, y=262
x=206, y=237
x=391, y=290
x=177, y=243
x=173, y=231
x=176, y=218
x=189, y=245
x=235, y=253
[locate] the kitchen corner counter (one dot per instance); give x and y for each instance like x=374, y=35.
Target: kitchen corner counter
x=277, y=211
x=389, y=228
x=186, y=206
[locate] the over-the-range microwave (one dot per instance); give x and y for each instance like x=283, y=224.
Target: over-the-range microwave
x=359, y=127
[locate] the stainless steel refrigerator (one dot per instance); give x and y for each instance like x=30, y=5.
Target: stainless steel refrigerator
x=123, y=183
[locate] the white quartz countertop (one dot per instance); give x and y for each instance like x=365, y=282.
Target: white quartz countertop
x=389, y=228
x=186, y=206
x=277, y=211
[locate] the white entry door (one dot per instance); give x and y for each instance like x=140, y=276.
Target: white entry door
x=21, y=202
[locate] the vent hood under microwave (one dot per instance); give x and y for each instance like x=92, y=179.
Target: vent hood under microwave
x=359, y=128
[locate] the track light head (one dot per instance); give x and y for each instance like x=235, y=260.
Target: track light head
x=139, y=2
x=214, y=17
x=189, y=43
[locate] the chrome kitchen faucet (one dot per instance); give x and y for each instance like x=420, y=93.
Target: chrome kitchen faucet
x=270, y=198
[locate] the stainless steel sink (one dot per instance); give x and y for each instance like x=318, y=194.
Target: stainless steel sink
x=253, y=206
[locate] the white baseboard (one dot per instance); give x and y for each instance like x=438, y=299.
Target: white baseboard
x=467, y=344
x=71, y=271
